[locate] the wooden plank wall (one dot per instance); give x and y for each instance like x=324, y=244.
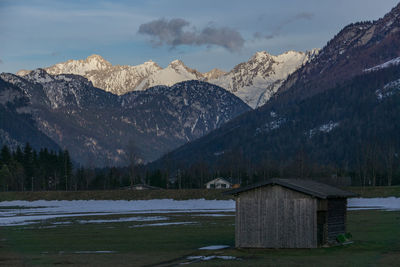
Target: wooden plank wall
x=276, y=217
x=336, y=218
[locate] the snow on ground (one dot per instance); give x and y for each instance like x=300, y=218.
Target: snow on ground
x=13, y=213
x=129, y=219
x=25, y=212
x=387, y=203
x=194, y=259
x=161, y=224
x=214, y=247
x=214, y=215
x=94, y=252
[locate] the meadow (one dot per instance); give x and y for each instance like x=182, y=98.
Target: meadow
x=376, y=237
x=172, y=237
x=178, y=194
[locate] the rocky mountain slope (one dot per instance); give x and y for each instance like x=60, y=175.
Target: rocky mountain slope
x=339, y=109
x=355, y=48
x=254, y=81
x=115, y=79
x=100, y=128
x=17, y=125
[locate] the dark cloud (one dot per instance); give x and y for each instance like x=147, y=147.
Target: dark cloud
x=278, y=29
x=175, y=32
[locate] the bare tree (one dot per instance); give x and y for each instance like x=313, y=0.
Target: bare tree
x=132, y=160
x=389, y=157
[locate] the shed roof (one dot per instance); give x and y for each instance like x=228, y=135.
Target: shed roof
x=308, y=187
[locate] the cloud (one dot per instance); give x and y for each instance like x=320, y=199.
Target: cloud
x=278, y=29
x=174, y=32
x=1, y=61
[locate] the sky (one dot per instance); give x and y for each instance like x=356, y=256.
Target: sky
x=203, y=34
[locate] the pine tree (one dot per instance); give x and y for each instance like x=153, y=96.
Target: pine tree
x=5, y=177
x=5, y=155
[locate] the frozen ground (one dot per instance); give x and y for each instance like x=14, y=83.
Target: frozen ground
x=387, y=203
x=13, y=213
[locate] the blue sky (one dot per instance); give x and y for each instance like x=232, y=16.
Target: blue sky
x=203, y=34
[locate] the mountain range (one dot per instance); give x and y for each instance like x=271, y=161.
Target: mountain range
x=337, y=106
x=254, y=81
x=340, y=109
x=100, y=128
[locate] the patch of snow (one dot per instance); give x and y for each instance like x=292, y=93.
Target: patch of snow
x=388, y=203
x=130, y=219
x=94, y=252
x=207, y=258
x=388, y=90
x=214, y=247
x=219, y=153
x=270, y=126
x=44, y=210
x=161, y=224
x=28, y=218
x=387, y=64
x=325, y=128
x=61, y=223
x=214, y=215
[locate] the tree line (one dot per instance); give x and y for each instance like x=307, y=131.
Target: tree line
x=25, y=169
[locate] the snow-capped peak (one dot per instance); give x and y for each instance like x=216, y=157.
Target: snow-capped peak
x=262, y=55
x=213, y=74
x=150, y=63
x=174, y=73
x=176, y=62
x=256, y=80
x=39, y=76
x=97, y=58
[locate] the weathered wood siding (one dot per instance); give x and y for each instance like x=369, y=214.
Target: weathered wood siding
x=276, y=217
x=336, y=217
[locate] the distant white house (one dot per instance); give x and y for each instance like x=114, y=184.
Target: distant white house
x=218, y=183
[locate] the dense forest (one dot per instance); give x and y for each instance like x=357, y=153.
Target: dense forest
x=349, y=130
x=28, y=170
x=25, y=169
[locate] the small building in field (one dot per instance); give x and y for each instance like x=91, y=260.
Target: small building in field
x=289, y=213
x=218, y=183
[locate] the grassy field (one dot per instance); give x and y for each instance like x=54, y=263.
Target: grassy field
x=376, y=236
x=182, y=194
x=378, y=191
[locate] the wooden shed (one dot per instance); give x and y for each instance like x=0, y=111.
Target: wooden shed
x=289, y=213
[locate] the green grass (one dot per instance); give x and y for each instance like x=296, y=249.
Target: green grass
x=182, y=194
x=378, y=191
x=376, y=236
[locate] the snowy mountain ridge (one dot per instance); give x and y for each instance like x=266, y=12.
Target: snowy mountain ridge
x=254, y=81
x=98, y=126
